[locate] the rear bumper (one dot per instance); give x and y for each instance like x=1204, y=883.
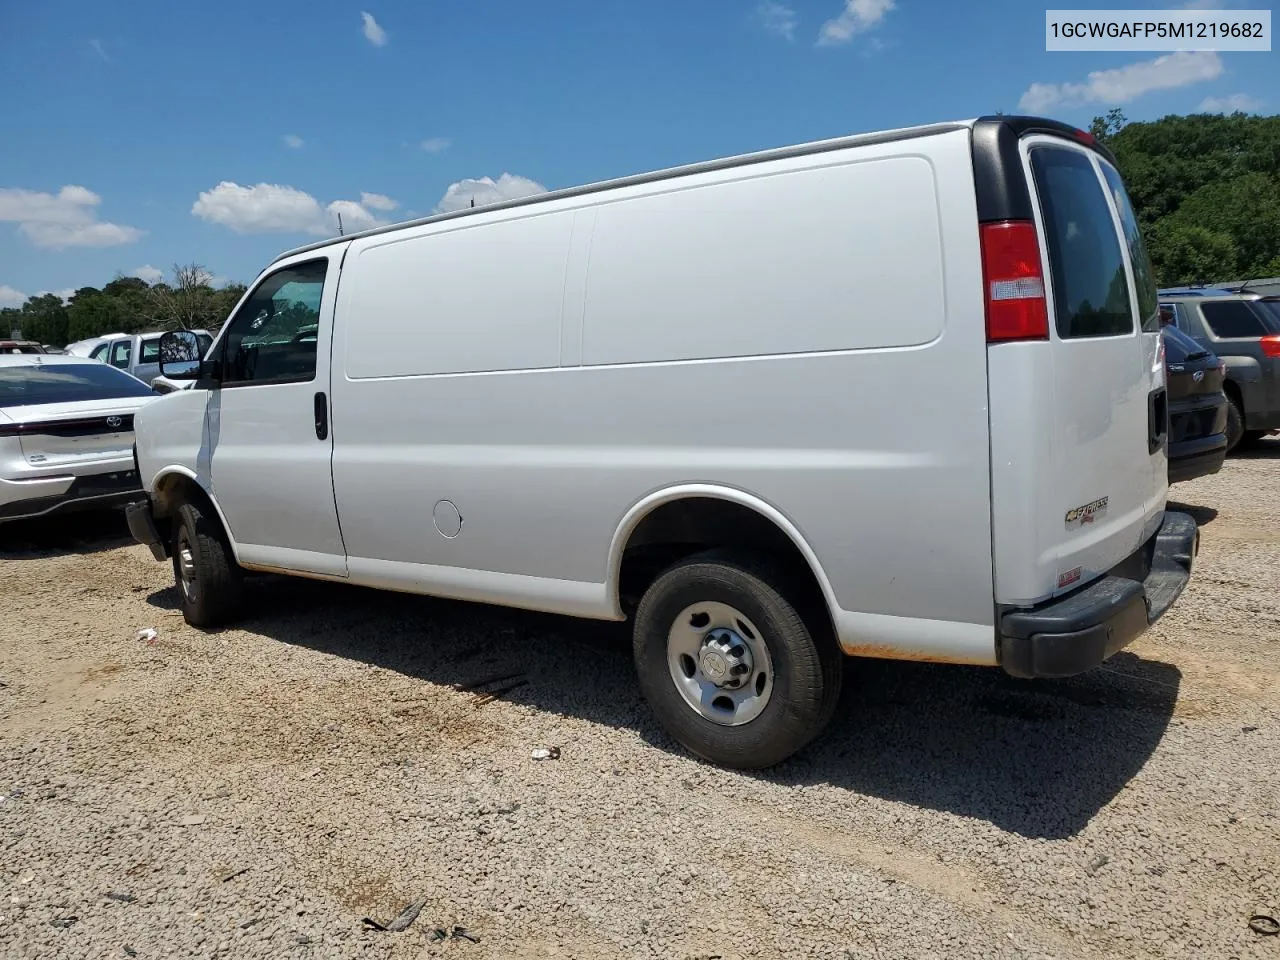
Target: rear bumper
x=1075, y=633
x=1196, y=458
x=142, y=524
x=25, y=499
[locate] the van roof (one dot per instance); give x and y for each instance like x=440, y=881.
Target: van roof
x=1020, y=125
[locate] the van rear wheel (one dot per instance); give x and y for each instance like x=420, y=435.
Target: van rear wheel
x=210, y=582
x=729, y=666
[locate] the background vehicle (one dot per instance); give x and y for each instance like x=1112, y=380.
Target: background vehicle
x=21, y=346
x=1244, y=330
x=895, y=395
x=66, y=434
x=82, y=348
x=1197, y=407
x=138, y=353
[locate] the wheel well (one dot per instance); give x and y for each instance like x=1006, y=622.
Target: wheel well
x=683, y=528
x=1232, y=390
x=175, y=489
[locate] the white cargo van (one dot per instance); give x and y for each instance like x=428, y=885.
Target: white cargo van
x=895, y=395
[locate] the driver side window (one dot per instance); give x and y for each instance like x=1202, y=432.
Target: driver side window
x=272, y=337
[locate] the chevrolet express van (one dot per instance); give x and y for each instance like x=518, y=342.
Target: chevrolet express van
x=892, y=395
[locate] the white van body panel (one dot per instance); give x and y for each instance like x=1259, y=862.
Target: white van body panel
x=815, y=380
x=1079, y=442
x=897, y=360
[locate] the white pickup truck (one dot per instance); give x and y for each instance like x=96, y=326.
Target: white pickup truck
x=134, y=353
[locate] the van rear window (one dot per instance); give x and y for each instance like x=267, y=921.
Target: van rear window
x=1090, y=290
x=1144, y=276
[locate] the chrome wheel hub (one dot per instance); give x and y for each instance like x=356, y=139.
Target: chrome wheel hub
x=720, y=663
x=726, y=659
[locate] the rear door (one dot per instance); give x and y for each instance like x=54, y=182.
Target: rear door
x=1146, y=305
x=1078, y=418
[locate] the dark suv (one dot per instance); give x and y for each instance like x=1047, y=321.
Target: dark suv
x=1244, y=330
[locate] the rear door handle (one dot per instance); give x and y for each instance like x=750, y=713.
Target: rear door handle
x=322, y=416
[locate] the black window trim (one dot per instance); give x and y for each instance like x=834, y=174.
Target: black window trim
x=225, y=336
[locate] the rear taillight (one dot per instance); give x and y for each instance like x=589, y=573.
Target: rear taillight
x=1270, y=345
x=1016, y=308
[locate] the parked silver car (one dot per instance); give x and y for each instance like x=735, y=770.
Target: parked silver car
x=66, y=434
x=1244, y=330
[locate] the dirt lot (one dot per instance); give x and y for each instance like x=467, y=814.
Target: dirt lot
x=260, y=791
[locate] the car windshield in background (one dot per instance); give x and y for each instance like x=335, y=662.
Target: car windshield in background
x=66, y=383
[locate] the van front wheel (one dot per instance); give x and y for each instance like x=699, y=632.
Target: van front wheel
x=209, y=581
x=729, y=666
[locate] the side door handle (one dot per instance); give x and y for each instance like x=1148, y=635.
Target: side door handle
x=322, y=416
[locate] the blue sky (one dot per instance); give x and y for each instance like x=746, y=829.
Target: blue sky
x=139, y=135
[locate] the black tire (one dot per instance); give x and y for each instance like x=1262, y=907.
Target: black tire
x=214, y=594
x=1235, y=425
x=807, y=665
x=1253, y=437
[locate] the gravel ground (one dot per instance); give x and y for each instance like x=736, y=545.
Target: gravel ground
x=259, y=792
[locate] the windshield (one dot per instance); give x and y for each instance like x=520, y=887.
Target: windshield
x=66, y=383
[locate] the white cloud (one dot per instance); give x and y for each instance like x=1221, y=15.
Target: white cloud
x=101, y=51
x=777, y=18
x=263, y=208
x=377, y=201
x=276, y=208
x=372, y=32
x=148, y=273
x=294, y=141
x=436, y=144
x=1125, y=83
x=64, y=294
x=1241, y=102
x=354, y=216
x=64, y=219
x=486, y=190
x=858, y=16
x=9, y=297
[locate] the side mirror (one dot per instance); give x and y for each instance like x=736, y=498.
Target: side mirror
x=180, y=355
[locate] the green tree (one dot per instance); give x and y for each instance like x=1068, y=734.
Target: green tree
x=93, y=314
x=10, y=321
x=1206, y=189
x=1187, y=253
x=44, y=318
x=1104, y=128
